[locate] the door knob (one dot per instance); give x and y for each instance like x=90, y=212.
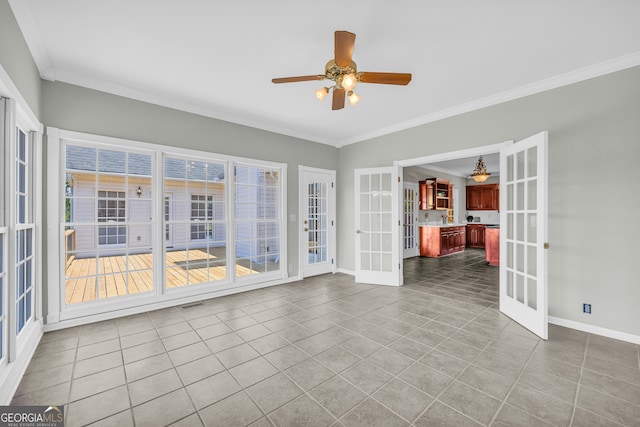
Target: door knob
x=306, y=229
x=358, y=231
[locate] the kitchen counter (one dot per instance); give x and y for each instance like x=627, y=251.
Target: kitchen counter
x=442, y=225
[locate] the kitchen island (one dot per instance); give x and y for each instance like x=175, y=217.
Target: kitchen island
x=492, y=245
x=438, y=240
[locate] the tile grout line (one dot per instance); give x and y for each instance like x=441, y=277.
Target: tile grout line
x=435, y=398
x=575, y=399
x=515, y=383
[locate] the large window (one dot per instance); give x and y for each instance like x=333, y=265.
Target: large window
x=24, y=233
x=107, y=228
x=3, y=316
x=3, y=248
x=20, y=316
x=215, y=222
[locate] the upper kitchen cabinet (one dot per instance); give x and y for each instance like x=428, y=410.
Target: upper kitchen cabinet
x=483, y=197
x=435, y=194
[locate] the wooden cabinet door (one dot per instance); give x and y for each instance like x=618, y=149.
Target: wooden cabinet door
x=483, y=197
x=487, y=197
x=426, y=195
x=473, y=198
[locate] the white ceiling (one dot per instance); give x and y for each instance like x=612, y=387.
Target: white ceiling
x=217, y=58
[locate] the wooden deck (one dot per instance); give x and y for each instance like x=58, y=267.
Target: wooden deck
x=82, y=284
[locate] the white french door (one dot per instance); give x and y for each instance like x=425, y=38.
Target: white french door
x=377, y=225
x=410, y=220
x=317, y=243
x=523, y=234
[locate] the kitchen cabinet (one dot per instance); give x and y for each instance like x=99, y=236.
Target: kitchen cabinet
x=475, y=236
x=483, y=197
x=435, y=194
x=439, y=241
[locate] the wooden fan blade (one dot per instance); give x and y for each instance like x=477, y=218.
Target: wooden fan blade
x=298, y=79
x=385, y=78
x=338, y=99
x=344, y=41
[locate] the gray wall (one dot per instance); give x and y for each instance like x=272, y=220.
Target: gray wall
x=79, y=109
x=16, y=59
x=594, y=150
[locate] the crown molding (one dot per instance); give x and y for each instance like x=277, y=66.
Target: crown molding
x=32, y=37
x=49, y=72
x=576, y=76
x=85, y=81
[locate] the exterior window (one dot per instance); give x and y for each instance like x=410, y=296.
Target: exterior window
x=108, y=223
x=257, y=219
x=111, y=209
x=195, y=222
x=201, y=210
x=112, y=193
x=24, y=235
x=2, y=309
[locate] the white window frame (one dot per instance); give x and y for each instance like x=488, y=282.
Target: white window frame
x=19, y=347
x=63, y=315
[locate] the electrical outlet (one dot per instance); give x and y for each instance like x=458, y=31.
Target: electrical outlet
x=586, y=308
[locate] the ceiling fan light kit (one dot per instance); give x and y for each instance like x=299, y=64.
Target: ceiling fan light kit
x=343, y=71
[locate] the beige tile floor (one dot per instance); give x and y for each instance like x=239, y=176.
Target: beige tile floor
x=328, y=351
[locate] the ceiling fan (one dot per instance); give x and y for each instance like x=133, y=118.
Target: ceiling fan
x=344, y=72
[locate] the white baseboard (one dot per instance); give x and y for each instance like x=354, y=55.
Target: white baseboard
x=596, y=330
x=345, y=271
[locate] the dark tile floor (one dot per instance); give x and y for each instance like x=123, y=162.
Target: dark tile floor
x=328, y=351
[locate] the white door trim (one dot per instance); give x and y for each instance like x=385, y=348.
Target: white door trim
x=302, y=243
x=459, y=154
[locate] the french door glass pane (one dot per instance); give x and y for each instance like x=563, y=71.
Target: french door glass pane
x=317, y=203
x=409, y=227
x=375, y=224
x=108, y=231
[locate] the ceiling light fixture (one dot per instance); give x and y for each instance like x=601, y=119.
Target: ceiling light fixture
x=321, y=93
x=344, y=73
x=354, y=98
x=480, y=173
x=345, y=78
